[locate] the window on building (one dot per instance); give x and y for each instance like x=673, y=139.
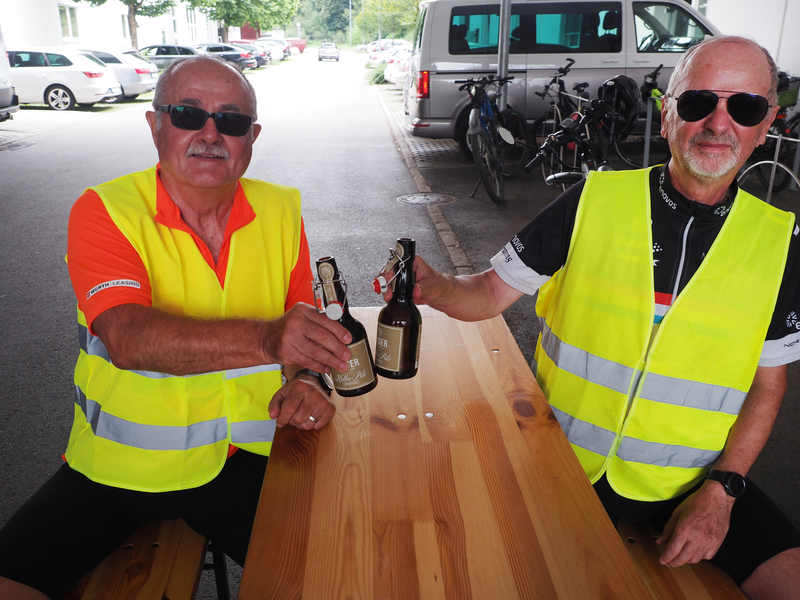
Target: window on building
x=69, y=21
x=191, y=23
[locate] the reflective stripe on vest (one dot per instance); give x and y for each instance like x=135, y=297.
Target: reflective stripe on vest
x=94, y=346
x=658, y=388
x=164, y=437
x=654, y=415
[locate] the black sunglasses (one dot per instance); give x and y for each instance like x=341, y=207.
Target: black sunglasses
x=193, y=119
x=746, y=109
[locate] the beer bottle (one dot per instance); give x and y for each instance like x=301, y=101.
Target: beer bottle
x=360, y=377
x=399, y=323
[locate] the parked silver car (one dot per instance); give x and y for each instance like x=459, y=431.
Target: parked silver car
x=164, y=54
x=328, y=51
x=136, y=74
x=457, y=39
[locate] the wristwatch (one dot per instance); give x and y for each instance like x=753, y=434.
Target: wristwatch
x=324, y=379
x=733, y=483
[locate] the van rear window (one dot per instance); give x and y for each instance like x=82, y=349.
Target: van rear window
x=538, y=28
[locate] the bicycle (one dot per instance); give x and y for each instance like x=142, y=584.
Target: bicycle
x=607, y=118
x=499, y=140
x=631, y=149
x=781, y=127
x=562, y=104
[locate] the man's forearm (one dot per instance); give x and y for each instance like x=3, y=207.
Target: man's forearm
x=144, y=338
x=751, y=430
x=470, y=297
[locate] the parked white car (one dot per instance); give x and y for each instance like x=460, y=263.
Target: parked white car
x=135, y=73
x=61, y=77
x=379, y=57
x=397, y=66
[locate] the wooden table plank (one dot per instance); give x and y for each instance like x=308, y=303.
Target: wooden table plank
x=453, y=485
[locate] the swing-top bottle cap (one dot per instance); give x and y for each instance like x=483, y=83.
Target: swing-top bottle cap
x=334, y=311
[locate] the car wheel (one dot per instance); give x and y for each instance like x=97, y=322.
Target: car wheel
x=58, y=97
x=115, y=99
x=132, y=97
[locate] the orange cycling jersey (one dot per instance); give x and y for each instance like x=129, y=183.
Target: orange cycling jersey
x=107, y=271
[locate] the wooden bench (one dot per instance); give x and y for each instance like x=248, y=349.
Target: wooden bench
x=702, y=581
x=160, y=560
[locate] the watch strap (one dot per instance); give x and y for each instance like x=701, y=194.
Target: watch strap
x=725, y=478
x=326, y=385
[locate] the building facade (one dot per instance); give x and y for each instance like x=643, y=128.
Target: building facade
x=67, y=22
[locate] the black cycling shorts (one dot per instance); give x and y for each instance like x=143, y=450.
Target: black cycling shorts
x=758, y=529
x=72, y=523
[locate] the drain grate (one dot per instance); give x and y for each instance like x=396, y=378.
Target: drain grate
x=428, y=199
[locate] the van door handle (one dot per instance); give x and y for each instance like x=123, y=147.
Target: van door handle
x=641, y=60
x=611, y=59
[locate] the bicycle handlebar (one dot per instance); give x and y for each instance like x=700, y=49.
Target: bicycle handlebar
x=482, y=81
x=562, y=71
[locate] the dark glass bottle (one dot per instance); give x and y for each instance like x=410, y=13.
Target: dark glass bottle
x=400, y=324
x=360, y=377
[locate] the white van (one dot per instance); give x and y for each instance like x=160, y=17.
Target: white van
x=9, y=103
x=456, y=39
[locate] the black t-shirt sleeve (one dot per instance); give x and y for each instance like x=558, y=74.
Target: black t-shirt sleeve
x=783, y=338
x=541, y=247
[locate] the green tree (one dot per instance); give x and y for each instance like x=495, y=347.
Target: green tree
x=257, y=13
x=145, y=8
x=388, y=18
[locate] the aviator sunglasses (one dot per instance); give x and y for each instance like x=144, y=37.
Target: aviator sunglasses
x=746, y=109
x=193, y=119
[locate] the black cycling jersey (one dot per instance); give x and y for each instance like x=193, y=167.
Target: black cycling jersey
x=683, y=232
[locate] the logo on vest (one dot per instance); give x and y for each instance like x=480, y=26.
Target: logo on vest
x=113, y=283
x=792, y=322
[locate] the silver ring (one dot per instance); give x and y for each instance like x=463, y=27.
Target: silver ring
x=312, y=419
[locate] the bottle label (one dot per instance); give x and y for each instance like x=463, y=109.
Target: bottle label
x=326, y=274
x=360, y=372
x=389, y=346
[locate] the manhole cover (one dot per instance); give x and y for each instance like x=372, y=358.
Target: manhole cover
x=427, y=199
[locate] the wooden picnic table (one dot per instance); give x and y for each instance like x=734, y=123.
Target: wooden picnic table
x=457, y=484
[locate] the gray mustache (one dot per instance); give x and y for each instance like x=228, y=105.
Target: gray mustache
x=208, y=150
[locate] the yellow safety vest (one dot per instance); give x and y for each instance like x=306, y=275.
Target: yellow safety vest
x=654, y=419
x=157, y=432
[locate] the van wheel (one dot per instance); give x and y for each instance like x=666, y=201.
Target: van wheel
x=58, y=97
x=462, y=124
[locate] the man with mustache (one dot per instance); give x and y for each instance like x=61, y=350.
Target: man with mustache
x=668, y=300
x=194, y=297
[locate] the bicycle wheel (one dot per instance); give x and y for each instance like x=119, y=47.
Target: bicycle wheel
x=484, y=152
x=631, y=149
x=515, y=157
x=541, y=128
x=767, y=152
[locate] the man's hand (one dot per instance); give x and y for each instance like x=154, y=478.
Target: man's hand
x=466, y=297
x=300, y=399
x=306, y=338
x=429, y=284
x=697, y=527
